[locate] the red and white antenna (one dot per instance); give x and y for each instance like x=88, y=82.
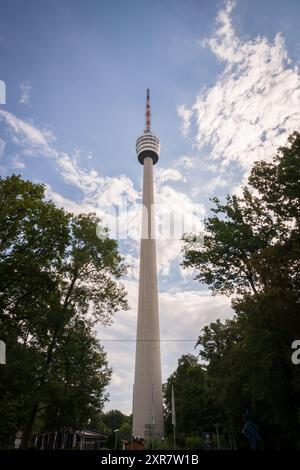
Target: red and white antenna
x=148, y=113
x=148, y=143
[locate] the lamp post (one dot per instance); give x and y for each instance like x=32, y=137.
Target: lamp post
x=116, y=433
x=218, y=439
x=2, y=352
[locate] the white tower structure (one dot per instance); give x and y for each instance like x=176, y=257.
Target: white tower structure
x=147, y=389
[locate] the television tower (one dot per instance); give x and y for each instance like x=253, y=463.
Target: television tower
x=147, y=390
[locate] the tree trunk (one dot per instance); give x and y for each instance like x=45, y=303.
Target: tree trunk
x=49, y=357
x=37, y=400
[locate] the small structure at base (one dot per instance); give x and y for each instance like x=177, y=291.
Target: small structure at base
x=134, y=444
x=71, y=439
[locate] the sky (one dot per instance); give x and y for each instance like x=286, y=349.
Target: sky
x=225, y=92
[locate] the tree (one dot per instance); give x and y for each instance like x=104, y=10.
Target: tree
x=56, y=272
x=254, y=231
x=76, y=393
x=251, y=251
x=115, y=419
x=33, y=236
x=195, y=412
x=119, y=425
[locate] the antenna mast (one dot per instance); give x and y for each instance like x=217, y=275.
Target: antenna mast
x=148, y=114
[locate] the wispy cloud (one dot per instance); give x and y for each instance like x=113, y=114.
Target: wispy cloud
x=255, y=102
x=17, y=162
x=167, y=174
x=185, y=162
x=97, y=189
x=25, y=89
x=33, y=140
x=186, y=115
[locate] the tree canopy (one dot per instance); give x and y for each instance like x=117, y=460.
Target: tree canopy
x=58, y=279
x=251, y=253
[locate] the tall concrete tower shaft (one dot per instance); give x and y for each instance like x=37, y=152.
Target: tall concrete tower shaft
x=147, y=392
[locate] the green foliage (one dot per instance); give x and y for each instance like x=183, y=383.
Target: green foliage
x=159, y=444
x=251, y=249
x=194, y=443
x=115, y=419
x=70, y=388
x=58, y=279
x=125, y=430
x=195, y=410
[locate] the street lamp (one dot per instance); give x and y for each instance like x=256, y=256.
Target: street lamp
x=218, y=439
x=116, y=433
x=2, y=352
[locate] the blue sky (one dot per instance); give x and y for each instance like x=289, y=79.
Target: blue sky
x=225, y=91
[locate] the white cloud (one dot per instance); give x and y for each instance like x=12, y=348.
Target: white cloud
x=186, y=115
x=167, y=174
x=183, y=315
x=176, y=213
x=29, y=137
x=25, y=88
x=255, y=102
x=215, y=182
x=185, y=162
x=68, y=204
x=97, y=189
x=102, y=193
